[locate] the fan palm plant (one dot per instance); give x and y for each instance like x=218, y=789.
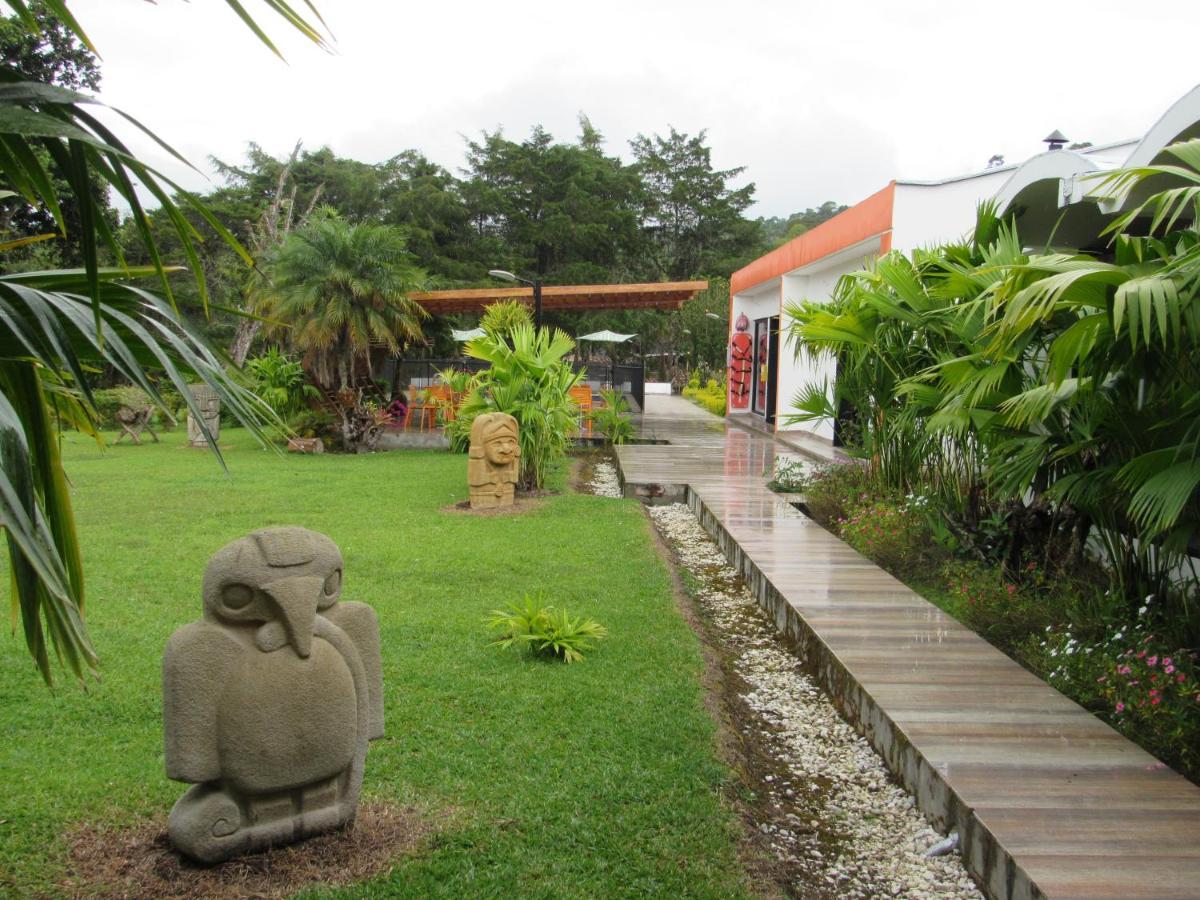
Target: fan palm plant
x=530, y=379
x=337, y=290
x=280, y=382
x=341, y=288
x=1059, y=388
x=54, y=325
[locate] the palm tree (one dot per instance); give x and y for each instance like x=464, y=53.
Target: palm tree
x=340, y=289
x=54, y=325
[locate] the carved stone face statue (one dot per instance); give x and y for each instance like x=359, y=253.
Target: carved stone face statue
x=501, y=448
x=270, y=699
x=494, y=462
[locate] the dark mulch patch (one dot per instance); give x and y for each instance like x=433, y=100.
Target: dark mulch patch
x=522, y=504
x=140, y=861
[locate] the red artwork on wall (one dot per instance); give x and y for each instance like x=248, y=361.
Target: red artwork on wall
x=740, y=364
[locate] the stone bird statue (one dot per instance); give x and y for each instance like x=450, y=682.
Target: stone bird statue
x=269, y=701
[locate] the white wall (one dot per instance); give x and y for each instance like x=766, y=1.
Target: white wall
x=815, y=282
x=760, y=302
x=928, y=214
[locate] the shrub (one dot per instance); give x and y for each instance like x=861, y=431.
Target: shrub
x=545, y=630
x=280, y=382
x=790, y=475
x=504, y=316
x=1143, y=684
x=612, y=419
x=831, y=491
x=711, y=396
x=460, y=381
x=891, y=533
x=1002, y=611
x=311, y=423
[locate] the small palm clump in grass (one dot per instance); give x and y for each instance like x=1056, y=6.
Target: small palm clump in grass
x=546, y=631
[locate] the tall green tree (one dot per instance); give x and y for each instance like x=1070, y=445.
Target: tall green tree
x=563, y=212
x=777, y=230
x=427, y=201
x=693, y=220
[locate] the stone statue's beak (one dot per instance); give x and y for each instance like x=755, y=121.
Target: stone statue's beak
x=297, y=601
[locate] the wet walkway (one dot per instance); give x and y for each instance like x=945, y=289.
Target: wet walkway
x=1049, y=801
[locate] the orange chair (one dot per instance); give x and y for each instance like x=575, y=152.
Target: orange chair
x=441, y=398
x=425, y=410
x=582, y=395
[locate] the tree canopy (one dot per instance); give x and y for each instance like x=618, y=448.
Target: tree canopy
x=562, y=211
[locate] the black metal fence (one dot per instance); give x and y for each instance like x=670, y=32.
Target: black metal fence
x=421, y=373
x=631, y=380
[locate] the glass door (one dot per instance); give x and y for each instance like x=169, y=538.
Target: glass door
x=766, y=358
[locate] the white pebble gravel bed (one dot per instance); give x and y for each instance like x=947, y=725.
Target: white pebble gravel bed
x=828, y=808
x=604, y=482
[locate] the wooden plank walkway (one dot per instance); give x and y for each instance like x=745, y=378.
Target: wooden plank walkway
x=1047, y=799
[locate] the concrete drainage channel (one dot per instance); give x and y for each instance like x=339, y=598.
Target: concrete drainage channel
x=820, y=799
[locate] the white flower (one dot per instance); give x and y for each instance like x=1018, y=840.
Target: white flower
x=1141, y=610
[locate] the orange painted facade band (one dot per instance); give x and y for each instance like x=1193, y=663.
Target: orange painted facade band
x=871, y=217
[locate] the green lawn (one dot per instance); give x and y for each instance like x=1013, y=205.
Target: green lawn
x=602, y=774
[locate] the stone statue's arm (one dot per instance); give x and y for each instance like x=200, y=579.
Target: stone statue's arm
x=360, y=624
x=196, y=664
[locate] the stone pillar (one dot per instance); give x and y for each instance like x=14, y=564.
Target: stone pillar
x=209, y=403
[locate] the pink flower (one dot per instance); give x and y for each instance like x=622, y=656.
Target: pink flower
x=1154, y=693
x=1167, y=661
x=1181, y=678
x=1152, y=661
x=1123, y=670
x=1121, y=705
x=1168, y=668
x=1156, y=701
x=1141, y=653
x=1012, y=589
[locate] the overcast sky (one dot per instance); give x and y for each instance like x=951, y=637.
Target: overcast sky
x=819, y=101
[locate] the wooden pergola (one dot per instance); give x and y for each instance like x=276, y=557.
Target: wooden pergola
x=565, y=297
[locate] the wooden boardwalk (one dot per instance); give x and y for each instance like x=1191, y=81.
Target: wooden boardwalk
x=1047, y=799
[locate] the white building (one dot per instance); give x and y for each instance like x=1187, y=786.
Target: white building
x=1049, y=194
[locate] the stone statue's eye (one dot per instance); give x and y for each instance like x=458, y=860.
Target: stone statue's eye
x=236, y=595
x=333, y=583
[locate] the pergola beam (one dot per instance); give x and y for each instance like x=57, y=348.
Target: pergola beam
x=566, y=297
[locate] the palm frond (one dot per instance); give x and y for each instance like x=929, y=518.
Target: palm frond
x=51, y=328
x=287, y=11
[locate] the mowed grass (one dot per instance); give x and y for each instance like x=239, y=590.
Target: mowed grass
x=595, y=779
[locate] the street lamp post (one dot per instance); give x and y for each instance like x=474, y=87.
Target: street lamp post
x=536, y=284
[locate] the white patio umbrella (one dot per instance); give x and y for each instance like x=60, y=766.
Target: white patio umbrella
x=468, y=335
x=606, y=336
